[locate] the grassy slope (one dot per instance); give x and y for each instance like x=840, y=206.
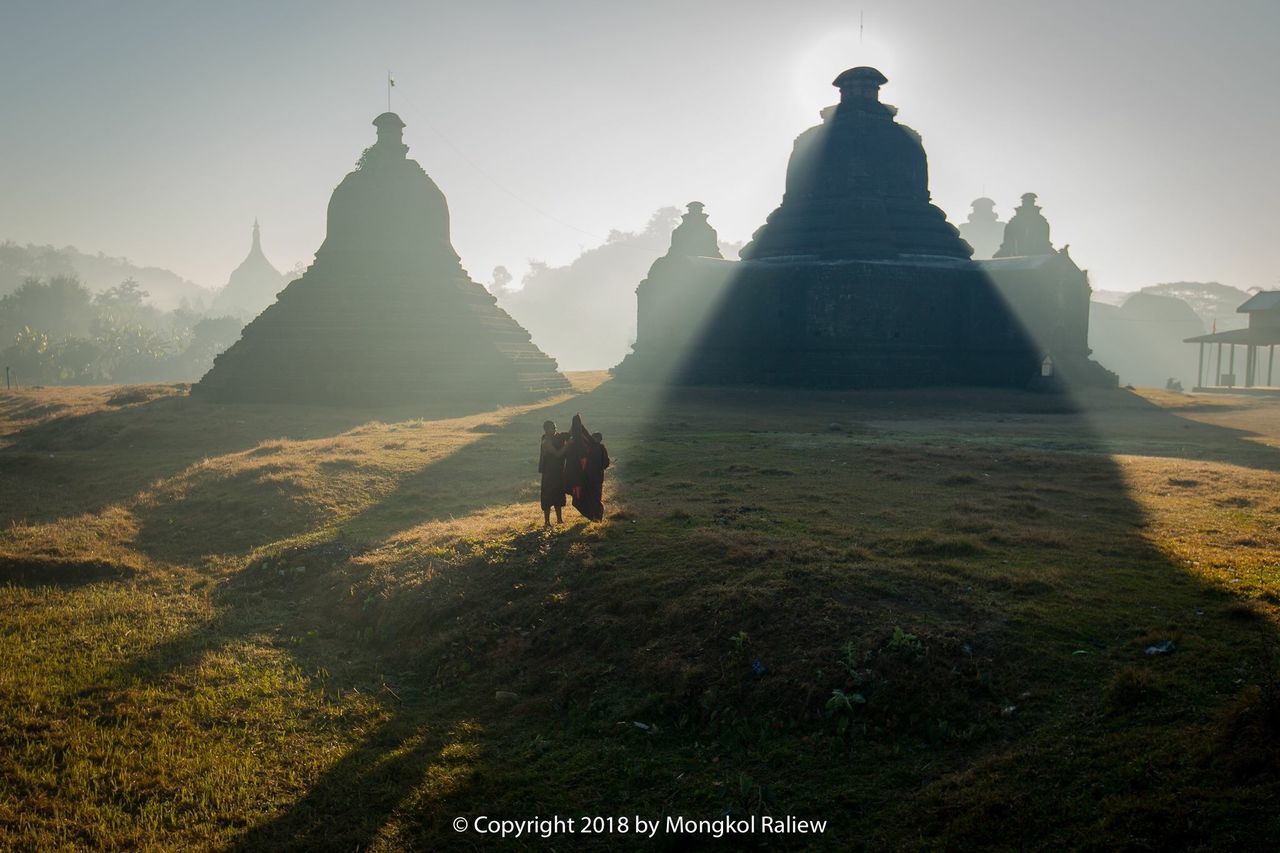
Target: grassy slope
x=257, y=625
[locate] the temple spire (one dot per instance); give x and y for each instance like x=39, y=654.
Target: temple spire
x=390, y=136
x=983, y=230
x=256, y=248
x=694, y=237
x=1027, y=232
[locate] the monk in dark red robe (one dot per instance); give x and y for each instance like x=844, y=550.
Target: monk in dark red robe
x=551, y=459
x=585, y=461
x=597, y=461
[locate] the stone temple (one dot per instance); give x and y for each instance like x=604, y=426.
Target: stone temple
x=252, y=286
x=386, y=314
x=858, y=280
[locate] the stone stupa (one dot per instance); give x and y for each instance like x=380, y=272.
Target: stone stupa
x=983, y=230
x=857, y=187
x=1027, y=232
x=252, y=286
x=694, y=237
x=386, y=314
x=857, y=280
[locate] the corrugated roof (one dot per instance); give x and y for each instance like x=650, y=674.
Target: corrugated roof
x=1266, y=300
x=1255, y=336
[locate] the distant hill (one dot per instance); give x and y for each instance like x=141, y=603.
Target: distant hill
x=166, y=289
x=1209, y=299
x=1142, y=340
x=1114, y=298
x=1140, y=335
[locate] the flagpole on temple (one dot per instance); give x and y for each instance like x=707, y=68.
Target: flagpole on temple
x=391, y=82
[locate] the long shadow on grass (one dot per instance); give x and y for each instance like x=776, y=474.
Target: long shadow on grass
x=432, y=759
x=213, y=513
x=988, y=602
x=412, y=652
x=986, y=595
x=497, y=470
x=43, y=571
x=71, y=465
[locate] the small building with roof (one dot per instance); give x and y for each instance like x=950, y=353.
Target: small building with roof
x=1258, y=339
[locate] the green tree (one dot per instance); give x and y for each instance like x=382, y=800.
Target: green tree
x=30, y=357
x=60, y=307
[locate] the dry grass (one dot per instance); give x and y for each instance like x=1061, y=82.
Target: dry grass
x=264, y=625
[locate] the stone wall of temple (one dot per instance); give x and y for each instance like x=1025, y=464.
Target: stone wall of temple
x=327, y=341
x=846, y=325
x=862, y=324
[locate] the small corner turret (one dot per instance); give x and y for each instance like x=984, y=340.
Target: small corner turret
x=1027, y=232
x=694, y=237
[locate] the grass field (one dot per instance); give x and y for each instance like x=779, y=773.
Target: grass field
x=920, y=616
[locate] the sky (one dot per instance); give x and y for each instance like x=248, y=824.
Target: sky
x=160, y=130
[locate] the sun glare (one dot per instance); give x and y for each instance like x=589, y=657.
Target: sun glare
x=831, y=53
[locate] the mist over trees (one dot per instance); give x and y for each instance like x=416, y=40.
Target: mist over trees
x=1209, y=299
x=1140, y=335
x=166, y=289
x=141, y=324
x=584, y=314
x=54, y=331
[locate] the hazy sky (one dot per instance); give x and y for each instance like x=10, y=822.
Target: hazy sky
x=160, y=130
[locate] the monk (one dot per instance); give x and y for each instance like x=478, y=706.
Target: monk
x=597, y=461
x=585, y=461
x=551, y=453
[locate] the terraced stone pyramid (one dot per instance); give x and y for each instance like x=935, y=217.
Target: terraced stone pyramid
x=386, y=314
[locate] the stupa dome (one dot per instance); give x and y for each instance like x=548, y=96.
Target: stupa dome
x=389, y=206
x=857, y=187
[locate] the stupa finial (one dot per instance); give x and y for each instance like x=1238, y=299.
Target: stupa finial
x=390, y=133
x=861, y=84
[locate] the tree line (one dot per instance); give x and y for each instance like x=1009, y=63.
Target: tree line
x=54, y=331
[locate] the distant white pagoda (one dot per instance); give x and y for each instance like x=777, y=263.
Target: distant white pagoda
x=252, y=287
